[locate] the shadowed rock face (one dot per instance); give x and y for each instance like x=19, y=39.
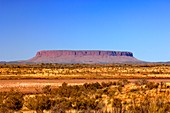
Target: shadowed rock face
x=84, y=56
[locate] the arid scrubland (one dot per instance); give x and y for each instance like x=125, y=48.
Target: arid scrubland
x=87, y=71
x=120, y=96
x=112, y=97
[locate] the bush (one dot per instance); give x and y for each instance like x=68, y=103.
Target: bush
x=14, y=101
x=123, y=82
x=47, y=89
x=141, y=82
x=152, y=85
x=117, y=105
x=38, y=103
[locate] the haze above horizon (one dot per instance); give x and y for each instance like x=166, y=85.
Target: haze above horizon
x=138, y=26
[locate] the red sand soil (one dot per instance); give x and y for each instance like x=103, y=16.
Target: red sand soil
x=35, y=85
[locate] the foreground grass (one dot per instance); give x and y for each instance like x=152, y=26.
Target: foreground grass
x=111, y=97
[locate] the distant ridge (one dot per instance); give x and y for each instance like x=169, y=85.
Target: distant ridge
x=83, y=56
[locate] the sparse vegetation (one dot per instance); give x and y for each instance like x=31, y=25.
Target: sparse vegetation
x=78, y=71
x=121, y=96
x=111, y=97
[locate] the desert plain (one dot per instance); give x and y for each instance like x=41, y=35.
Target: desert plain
x=85, y=88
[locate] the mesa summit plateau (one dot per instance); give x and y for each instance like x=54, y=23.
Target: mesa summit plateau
x=83, y=56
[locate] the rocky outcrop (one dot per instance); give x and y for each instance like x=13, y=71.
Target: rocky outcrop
x=83, y=56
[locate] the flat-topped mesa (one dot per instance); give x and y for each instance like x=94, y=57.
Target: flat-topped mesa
x=83, y=56
x=55, y=53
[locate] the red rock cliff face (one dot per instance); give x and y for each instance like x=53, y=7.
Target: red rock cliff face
x=83, y=53
x=84, y=56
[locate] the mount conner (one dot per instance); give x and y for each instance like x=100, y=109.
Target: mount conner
x=83, y=56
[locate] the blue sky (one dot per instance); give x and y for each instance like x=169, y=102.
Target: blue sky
x=139, y=26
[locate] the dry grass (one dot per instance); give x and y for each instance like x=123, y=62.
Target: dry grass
x=84, y=71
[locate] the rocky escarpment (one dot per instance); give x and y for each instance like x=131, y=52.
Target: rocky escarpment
x=83, y=56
